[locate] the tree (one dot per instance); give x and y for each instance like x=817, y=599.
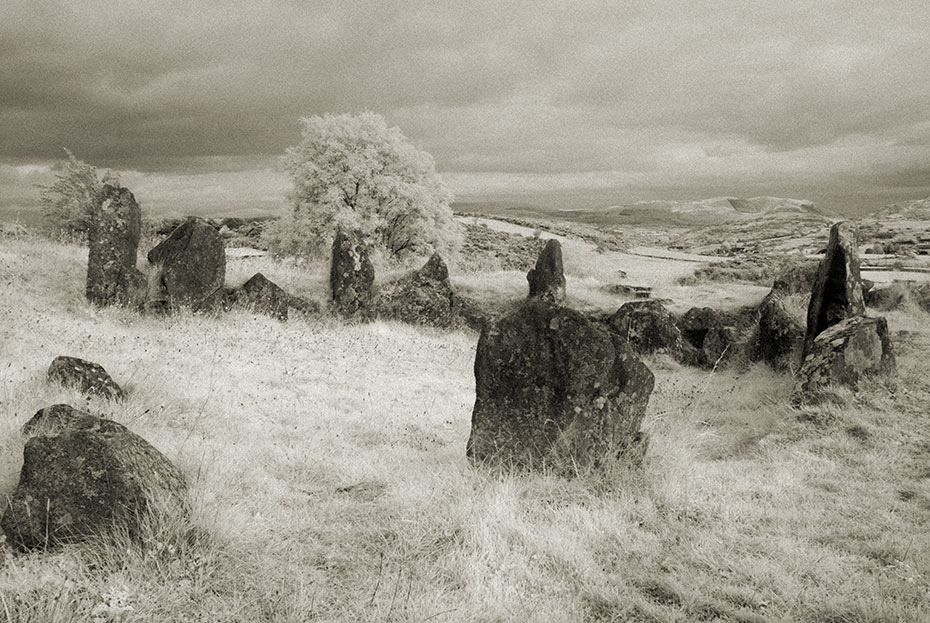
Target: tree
x=68, y=205
x=355, y=171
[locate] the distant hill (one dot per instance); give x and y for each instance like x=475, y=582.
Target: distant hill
x=917, y=210
x=718, y=210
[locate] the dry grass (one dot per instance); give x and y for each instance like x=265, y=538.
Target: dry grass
x=330, y=484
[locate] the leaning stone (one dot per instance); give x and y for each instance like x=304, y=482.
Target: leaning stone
x=351, y=276
x=90, y=378
x=190, y=264
x=647, y=326
x=91, y=477
x=547, y=279
x=112, y=277
x=555, y=390
x=843, y=354
x=778, y=337
x=837, y=291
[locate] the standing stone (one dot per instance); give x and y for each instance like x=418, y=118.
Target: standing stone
x=85, y=476
x=351, y=276
x=89, y=377
x=263, y=296
x=706, y=337
x=112, y=278
x=424, y=297
x=778, y=337
x=190, y=263
x=837, y=291
x=547, y=280
x=554, y=389
x=647, y=326
x=843, y=354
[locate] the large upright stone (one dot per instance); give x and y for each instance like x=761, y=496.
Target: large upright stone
x=112, y=278
x=778, y=337
x=84, y=476
x=424, y=297
x=837, y=291
x=554, y=389
x=351, y=276
x=547, y=279
x=190, y=263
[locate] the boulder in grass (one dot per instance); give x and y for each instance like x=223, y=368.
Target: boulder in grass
x=90, y=476
x=351, y=276
x=547, y=279
x=837, y=291
x=647, y=326
x=89, y=377
x=425, y=297
x=190, y=264
x=556, y=390
x=261, y=295
x=113, y=240
x=707, y=337
x=843, y=354
x=778, y=337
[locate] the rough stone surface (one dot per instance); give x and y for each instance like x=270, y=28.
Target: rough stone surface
x=263, y=296
x=351, y=276
x=89, y=477
x=837, y=291
x=52, y=420
x=843, y=354
x=555, y=390
x=707, y=337
x=547, y=279
x=647, y=326
x=112, y=278
x=191, y=264
x=90, y=378
x=425, y=297
x=778, y=337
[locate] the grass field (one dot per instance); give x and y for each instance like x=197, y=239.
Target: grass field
x=330, y=483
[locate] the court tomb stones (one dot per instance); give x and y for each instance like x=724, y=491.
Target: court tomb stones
x=190, y=264
x=112, y=277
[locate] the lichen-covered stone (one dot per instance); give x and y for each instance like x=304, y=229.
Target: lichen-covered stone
x=647, y=326
x=261, y=295
x=113, y=240
x=837, y=291
x=555, y=390
x=424, y=297
x=89, y=377
x=547, y=279
x=351, y=276
x=87, y=478
x=190, y=264
x=778, y=338
x=52, y=420
x=843, y=354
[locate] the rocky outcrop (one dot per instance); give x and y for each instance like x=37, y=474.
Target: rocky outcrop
x=88, y=377
x=547, y=279
x=648, y=327
x=837, y=291
x=190, y=264
x=351, y=276
x=843, y=354
x=778, y=338
x=84, y=476
x=555, y=390
x=112, y=277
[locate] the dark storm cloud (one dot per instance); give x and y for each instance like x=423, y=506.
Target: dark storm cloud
x=735, y=96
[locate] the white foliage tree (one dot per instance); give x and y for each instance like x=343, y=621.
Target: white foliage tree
x=355, y=171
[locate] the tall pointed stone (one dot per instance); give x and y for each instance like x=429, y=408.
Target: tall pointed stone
x=112, y=278
x=837, y=291
x=351, y=276
x=547, y=279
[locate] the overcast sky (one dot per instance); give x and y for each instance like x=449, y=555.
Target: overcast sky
x=578, y=104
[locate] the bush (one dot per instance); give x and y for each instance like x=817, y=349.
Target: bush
x=68, y=205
